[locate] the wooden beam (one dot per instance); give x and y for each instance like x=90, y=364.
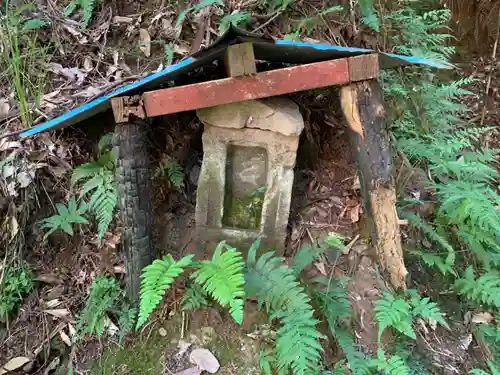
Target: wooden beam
x=363, y=110
x=237, y=89
x=239, y=60
x=126, y=108
x=363, y=67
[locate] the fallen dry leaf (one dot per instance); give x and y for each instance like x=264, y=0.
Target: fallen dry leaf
x=14, y=364
x=65, y=338
x=58, y=313
x=4, y=108
x=482, y=318
x=354, y=213
x=72, y=74
x=205, y=360
x=320, y=266
x=145, y=42
x=122, y=19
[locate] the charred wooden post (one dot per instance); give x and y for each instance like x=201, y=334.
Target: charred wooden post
x=362, y=105
x=134, y=188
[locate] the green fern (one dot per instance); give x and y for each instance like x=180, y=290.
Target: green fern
x=156, y=280
x=223, y=279
x=234, y=19
x=173, y=172
x=87, y=6
x=424, y=308
x=369, y=14
x=332, y=299
x=67, y=216
x=126, y=319
x=394, y=312
x=196, y=8
x=433, y=260
x=276, y=288
x=493, y=368
x=358, y=362
x=100, y=185
x=104, y=295
x=394, y=365
x=195, y=297
x=485, y=289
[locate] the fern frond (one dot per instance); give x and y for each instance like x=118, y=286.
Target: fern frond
x=426, y=309
x=156, y=280
x=173, y=171
x=394, y=312
x=304, y=257
x=394, y=365
x=485, y=289
x=104, y=294
x=195, y=297
x=223, y=279
x=276, y=287
x=332, y=299
x=234, y=19
x=493, y=368
x=358, y=363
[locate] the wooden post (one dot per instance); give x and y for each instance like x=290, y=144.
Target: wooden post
x=363, y=109
x=134, y=188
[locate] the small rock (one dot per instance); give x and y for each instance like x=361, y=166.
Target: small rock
x=205, y=360
x=162, y=331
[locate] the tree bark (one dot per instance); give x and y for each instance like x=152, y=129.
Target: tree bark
x=363, y=109
x=134, y=200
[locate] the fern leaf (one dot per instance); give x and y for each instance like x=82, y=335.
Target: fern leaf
x=195, y=297
x=426, y=309
x=485, y=289
x=333, y=300
x=84, y=171
x=88, y=7
x=156, y=280
x=223, y=279
x=104, y=294
x=304, y=257
x=276, y=287
x=394, y=312
x=233, y=19
x=394, y=365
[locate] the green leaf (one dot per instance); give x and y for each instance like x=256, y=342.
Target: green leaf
x=223, y=279
x=35, y=24
x=156, y=280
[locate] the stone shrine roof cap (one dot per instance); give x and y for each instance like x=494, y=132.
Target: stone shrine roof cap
x=282, y=51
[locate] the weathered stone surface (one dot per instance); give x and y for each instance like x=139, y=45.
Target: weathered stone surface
x=277, y=114
x=280, y=151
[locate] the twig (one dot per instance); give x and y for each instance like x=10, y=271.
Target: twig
x=267, y=22
x=493, y=60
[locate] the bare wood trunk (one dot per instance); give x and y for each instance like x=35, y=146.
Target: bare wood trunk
x=363, y=109
x=134, y=200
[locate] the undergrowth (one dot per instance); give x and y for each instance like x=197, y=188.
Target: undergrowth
x=16, y=282
x=426, y=122
x=23, y=58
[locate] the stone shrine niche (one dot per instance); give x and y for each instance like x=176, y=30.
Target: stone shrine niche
x=246, y=179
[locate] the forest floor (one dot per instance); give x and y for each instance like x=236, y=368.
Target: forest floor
x=121, y=45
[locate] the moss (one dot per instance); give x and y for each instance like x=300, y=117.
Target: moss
x=245, y=212
x=144, y=358
x=236, y=352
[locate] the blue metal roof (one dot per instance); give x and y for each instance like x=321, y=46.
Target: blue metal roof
x=283, y=51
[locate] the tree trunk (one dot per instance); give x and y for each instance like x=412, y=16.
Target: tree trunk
x=134, y=200
x=363, y=109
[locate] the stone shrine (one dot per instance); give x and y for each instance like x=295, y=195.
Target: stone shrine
x=246, y=178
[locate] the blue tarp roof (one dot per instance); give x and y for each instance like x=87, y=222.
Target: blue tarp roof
x=282, y=51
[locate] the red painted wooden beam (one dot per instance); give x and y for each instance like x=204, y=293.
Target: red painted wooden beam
x=237, y=89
